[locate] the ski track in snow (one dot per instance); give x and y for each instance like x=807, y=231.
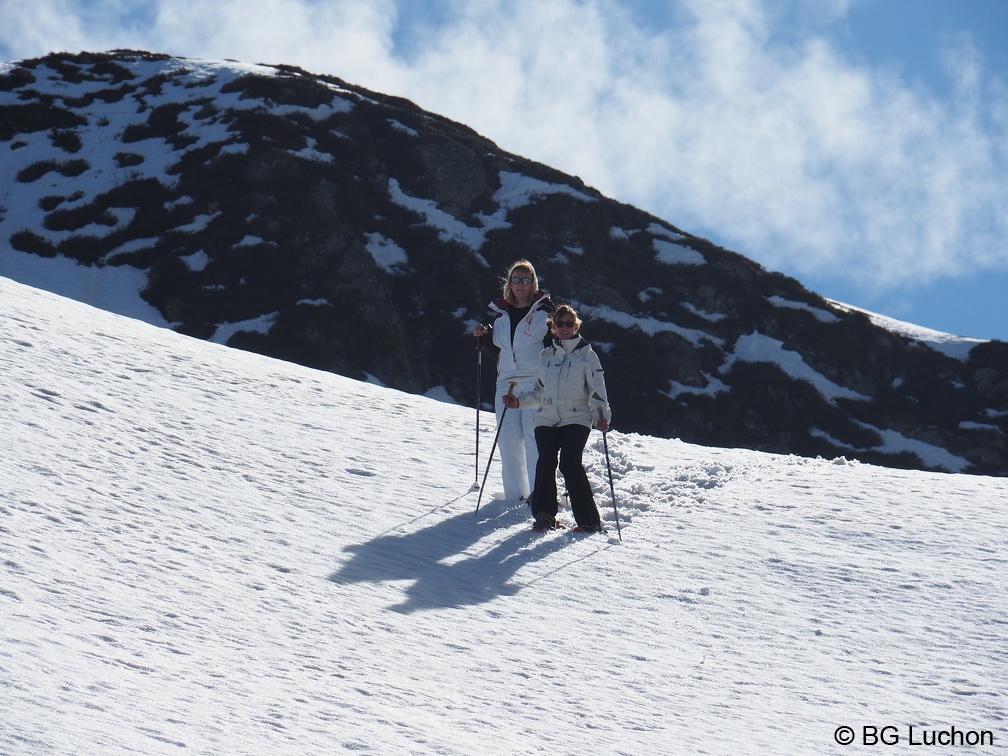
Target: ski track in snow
x=204, y=550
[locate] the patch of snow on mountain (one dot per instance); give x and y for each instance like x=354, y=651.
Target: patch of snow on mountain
x=197, y=261
x=115, y=288
x=755, y=347
x=713, y=317
x=449, y=227
x=894, y=442
x=646, y=295
x=656, y=229
x=200, y=223
x=518, y=190
x=389, y=255
x=262, y=324
x=713, y=386
x=956, y=347
x=821, y=315
x=647, y=324
x=402, y=127
x=671, y=253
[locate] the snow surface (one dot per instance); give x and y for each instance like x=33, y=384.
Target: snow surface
x=209, y=551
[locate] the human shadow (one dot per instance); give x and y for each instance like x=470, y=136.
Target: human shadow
x=444, y=560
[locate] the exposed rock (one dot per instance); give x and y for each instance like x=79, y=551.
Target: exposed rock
x=365, y=236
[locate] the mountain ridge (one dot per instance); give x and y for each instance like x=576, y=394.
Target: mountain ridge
x=312, y=220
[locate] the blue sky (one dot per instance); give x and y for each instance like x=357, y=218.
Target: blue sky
x=860, y=146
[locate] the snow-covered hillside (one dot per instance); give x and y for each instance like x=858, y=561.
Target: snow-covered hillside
x=204, y=550
x=266, y=207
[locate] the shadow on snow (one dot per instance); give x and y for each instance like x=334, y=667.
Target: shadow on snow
x=463, y=560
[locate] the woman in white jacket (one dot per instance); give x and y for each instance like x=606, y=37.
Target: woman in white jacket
x=517, y=336
x=569, y=396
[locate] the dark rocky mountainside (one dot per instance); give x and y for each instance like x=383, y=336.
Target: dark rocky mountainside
x=308, y=219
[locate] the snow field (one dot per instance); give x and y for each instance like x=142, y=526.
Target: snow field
x=205, y=550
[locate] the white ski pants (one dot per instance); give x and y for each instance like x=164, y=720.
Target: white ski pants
x=517, y=447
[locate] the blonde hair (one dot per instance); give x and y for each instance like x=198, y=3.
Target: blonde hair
x=565, y=310
x=519, y=265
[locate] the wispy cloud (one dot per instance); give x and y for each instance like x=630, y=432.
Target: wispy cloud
x=736, y=121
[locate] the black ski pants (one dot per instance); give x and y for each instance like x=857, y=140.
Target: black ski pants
x=569, y=441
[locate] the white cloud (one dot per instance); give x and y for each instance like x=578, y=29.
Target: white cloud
x=740, y=121
x=321, y=36
x=31, y=29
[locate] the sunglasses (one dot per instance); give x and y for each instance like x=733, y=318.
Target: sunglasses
x=521, y=280
x=564, y=323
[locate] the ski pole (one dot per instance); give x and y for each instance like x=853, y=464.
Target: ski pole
x=612, y=489
x=479, y=399
x=512, y=385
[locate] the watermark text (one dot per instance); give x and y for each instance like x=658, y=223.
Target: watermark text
x=915, y=735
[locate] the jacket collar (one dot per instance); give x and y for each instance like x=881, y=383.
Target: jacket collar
x=570, y=345
x=539, y=298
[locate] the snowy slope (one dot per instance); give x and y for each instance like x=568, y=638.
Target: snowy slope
x=208, y=551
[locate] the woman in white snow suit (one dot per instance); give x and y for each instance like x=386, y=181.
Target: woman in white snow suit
x=517, y=335
x=569, y=396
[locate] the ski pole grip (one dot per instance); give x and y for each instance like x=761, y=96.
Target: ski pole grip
x=511, y=388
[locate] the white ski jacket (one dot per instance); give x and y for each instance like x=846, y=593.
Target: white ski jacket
x=519, y=360
x=570, y=386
